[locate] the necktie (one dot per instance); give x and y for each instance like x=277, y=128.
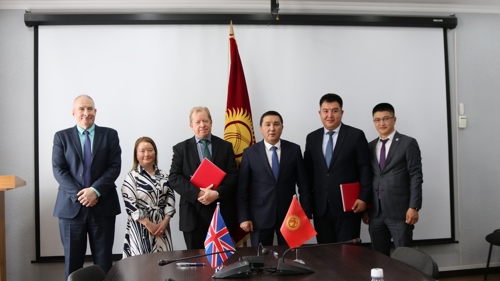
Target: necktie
x=382, y=155
x=205, y=150
x=329, y=149
x=275, y=163
x=87, y=161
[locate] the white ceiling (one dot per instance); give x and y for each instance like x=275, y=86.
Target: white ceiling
x=258, y=6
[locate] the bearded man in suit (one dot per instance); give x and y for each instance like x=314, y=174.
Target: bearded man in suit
x=397, y=183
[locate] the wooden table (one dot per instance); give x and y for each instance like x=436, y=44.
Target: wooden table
x=6, y=183
x=329, y=262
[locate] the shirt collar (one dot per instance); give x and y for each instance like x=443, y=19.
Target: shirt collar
x=390, y=137
x=209, y=138
x=141, y=170
x=91, y=130
x=268, y=145
x=336, y=130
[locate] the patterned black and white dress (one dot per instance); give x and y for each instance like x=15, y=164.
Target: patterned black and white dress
x=151, y=197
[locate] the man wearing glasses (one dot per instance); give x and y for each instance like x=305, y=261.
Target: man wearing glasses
x=397, y=183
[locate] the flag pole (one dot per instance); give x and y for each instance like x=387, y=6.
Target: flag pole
x=238, y=129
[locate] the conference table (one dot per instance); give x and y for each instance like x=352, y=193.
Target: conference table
x=329, y=262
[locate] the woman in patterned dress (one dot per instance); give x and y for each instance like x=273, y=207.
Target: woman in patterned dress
x=149, y=202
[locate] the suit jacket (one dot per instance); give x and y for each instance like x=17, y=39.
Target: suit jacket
x=67, y=165
x=350, y=163
x=262, y=199
x=185, y=161
x=400, y=182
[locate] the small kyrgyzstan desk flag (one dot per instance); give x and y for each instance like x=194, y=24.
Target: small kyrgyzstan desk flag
x=296, y=228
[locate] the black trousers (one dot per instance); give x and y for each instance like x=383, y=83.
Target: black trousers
x=266, y=236
x=332, y=228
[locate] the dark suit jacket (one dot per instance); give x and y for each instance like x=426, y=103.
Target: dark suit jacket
x=401, y=180
x=262, y=199
x=350, y=163
x=67, y=165
x=185, y=161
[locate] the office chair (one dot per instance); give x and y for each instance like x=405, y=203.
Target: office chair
x=417, y=259
x=89, y=273
x=494, y=239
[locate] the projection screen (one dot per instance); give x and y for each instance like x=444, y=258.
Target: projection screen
x=144, y=79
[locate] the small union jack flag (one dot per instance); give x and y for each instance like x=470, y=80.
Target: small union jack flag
x=218, y=240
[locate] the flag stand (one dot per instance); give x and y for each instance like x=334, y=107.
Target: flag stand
x=286, y=267
x=234, y=270
x=297, y=257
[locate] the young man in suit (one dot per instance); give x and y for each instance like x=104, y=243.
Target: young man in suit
x=397, y=183
x=86, y=160
x=269, y=171
x=336, y=154
x=197, y=204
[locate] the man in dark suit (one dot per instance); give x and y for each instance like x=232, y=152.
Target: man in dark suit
x=263, y=197
x=86, y=160
x=197, y=204
x=397, y=183
x=336, y=154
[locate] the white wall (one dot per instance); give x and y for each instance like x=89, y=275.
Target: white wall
x=475, y=152
x=477, y=157
x=17, y=148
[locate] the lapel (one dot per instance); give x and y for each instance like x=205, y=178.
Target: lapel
x=284, y=152
x=392, y=150
x=318, y=140
x=215, y=147
x=192, y=150
x=262, y=154
x=75, y=139
x=98, y=135
x=340, y=141
x=373, y=153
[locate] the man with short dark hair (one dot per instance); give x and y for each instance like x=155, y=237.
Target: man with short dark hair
x=269, y=171
x=336, y=154
x=397, y=183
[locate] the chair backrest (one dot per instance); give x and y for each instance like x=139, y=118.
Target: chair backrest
x=494, y=237
x=89, y=273
x=417, y=259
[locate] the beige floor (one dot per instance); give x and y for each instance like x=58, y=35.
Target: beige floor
x=491, y=277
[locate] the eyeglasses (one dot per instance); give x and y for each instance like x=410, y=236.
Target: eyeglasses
x=385, y=119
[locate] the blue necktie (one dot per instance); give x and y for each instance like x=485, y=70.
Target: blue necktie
x=205, y=150
x=275, y=163
x=329, y=149
x=87, y=161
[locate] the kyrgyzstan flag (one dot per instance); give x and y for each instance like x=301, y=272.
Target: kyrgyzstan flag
x=238, y=128
x=296, y=228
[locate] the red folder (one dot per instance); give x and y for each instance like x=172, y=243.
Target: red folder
x=349, y=193
x=206, y=174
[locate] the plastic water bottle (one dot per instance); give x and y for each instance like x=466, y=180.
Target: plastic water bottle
x=377, y=274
